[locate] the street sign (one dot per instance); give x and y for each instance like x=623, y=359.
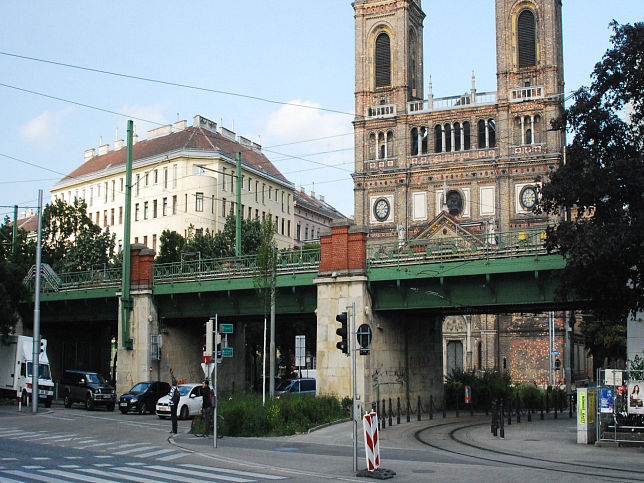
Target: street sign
x=226, y=328
x=226, y=352
x=555, y=353
x=207, y=369
x=300, y=350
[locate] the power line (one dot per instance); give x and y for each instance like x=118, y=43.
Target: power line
x=175, y=84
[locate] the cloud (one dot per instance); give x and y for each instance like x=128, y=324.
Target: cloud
x=294, y=123
x=45, y=128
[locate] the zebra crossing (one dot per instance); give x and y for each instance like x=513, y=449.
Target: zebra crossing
x=114, y=448
x=131, y=472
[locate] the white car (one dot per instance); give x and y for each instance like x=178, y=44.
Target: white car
x=189, y=402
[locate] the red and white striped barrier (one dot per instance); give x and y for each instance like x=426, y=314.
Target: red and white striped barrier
x=371, y=440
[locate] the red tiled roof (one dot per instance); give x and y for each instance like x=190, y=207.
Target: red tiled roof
x=29, y=224
x=301, y=198
x=189, y=138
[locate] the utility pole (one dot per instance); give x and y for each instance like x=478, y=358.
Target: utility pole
x=567, y=354
x=35, y=357
x=14, y=238
x=126, y=302
x=238, y=210
x=271, y=384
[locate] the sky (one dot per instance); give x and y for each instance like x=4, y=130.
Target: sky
x=251, y=65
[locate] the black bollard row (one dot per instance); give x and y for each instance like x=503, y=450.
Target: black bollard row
x=391, y=413
x=420, y=409
x=408, y=410
x=384, y=414
x=398, y=410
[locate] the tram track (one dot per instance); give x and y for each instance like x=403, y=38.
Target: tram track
x=613, y=473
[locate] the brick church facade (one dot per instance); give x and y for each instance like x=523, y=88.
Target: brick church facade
x=475, y=160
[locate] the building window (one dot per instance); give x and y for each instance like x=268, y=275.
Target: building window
x=91, y=195
x=306, y=233
x=414, y=141
x=199, y=202
x=298, y=230
x=164, y=207
x=481, y=134
x=174, y=205
x=223, y=179
x=154, y=208
x=105, y=186
x=147, y=179
x=256, y=190
x=174, y=176
x=156, y=176
x=282, y=226
x=448, y=137
x=457, y=136
x=438, y=138
x=466, y=136
x=145, y=240
x=136, y=212
x=120, y=215
x=145, y=210
x=112, y=217
x=104, y=217
x=121, y=184
x=154, y=242
x=526, y=40
x=113, y=189
x=491, y=128
x=165, y=178
x=383, y=61
x=136, y=239
x=288, y=227
x=223, y=207
x=270, y=192
x=212, y=204
x=263, y=193
x=138, y=185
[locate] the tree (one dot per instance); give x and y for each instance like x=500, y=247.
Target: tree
x=71, y=241
x=600, y=185
x=171, y=246
x=13, y=268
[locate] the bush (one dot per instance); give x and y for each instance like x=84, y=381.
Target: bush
x=486, y=387
x=530, y=395
x=245, y=415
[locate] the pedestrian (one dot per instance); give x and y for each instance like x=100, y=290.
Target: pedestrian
x=174, y=403
x=206, y=404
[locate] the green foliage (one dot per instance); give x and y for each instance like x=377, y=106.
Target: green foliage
x=210, y=244
x=71, y=241
x=530, y=395
x=245, y=415
x=264, y=277
x=13, y=268
x=604, y=340
x=601, y=184
x=486, y=387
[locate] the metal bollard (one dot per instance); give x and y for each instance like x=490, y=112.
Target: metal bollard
x=398, y=410
x=570, y=407
x=510, y=411
x=420, y=409
x=541, y=416
x=390, y=413
x=501, y=429
x=518, y=409
x=431, y=406
x=379, y=413
x=409, y=410
x=384, y=414
x=494, y=422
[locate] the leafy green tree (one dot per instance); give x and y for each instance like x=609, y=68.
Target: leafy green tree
x=171, y=246
x=605, y=341
x=600, y=186
x=71, y=241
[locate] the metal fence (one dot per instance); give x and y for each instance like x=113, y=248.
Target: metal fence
x=620, y=405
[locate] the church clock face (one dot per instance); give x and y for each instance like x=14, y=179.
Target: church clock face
x=528, y=197
x=381, y=209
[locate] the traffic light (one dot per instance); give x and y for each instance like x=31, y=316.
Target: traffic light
x=343, y=345
x=557, y=364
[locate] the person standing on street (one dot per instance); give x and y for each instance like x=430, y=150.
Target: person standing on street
x=206, y=404
x=174, y=403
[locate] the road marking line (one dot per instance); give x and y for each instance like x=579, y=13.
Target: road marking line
x=234, y=472
x=33, y=467
x=85, y=441
x=10, y=432
x=9, y=480
x=41, y=458
x=69, y=467
x=103, y=465
x=212, y=474
x=73, y=457
x=158, y=475
x=134, y=450
x=33, y=476
x=9, y=459
x=30, y=434
x=103, y=444
x=55, y=438
x=173, y=456
x=129, y=445
x=155, y=453
x=104, y=456
x=129, y=477
x=135, y=463
x=74, y=476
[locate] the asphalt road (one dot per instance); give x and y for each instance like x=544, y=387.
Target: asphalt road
x=96, y=446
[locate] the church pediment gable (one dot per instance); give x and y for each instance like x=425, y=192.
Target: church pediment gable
x=446, y=227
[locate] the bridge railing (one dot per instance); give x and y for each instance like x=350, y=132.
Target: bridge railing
x=468, y=247
x=61, y=282
x=292, y=261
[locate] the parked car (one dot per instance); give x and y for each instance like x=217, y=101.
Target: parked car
x=189, y=402
x=143, y=397
x=296, y=386
x=88, y=388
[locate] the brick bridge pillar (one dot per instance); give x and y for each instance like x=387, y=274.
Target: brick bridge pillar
x=135, y=365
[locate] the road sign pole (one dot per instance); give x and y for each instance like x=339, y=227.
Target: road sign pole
x=214, y=384
x=356, y=411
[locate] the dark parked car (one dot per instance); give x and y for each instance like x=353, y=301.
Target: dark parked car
x=296, y=386
x=89, y=388
x=143, y=397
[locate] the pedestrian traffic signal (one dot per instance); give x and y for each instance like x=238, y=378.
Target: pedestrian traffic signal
x=343, y=345
x=557, y=364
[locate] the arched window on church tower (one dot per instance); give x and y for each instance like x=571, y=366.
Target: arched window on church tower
x=390, y=144
x=466, y=136
x=491, y=127
x=424, y=137
x=414, y=141
x=526, y=40
x=372, y=147
x=480, y=133
x=448, y=137
x=438, y=139
x=411, y=68
x=457, y=136
x=383, y=61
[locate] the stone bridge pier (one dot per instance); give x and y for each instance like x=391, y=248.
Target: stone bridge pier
x=405, y=358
